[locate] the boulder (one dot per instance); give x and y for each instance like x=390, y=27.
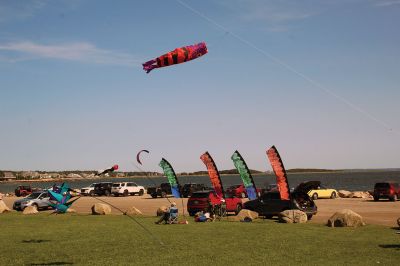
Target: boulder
x=344, y=193
x=345, y=218
x=3, y=207
x=360, y=195
x=101, y=209
x=133, y=211
x=69, y=210
x=30, y=210
x=292, y=216
x=161, y=210
x=245, y=213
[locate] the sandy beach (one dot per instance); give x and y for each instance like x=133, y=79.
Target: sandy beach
x=382, y=212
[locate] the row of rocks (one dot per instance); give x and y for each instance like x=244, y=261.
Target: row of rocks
x=343, y=218
x=355, y=194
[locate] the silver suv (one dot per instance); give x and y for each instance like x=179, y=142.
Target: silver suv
x=38, y=199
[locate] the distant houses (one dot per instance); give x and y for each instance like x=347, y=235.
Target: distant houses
x=8, y=176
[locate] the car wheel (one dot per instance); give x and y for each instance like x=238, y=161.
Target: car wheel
x=243, y=195
x=394, y=198
x=268, y=216
x=163, y=194
x=36, y=206
x=141, y=192
x=116, y=195
x=376, y=198
x=238, y=208
x=154, y=196
x=315, y=196
x=126, y=193
x=309, y=216
x=333, y=195
x=107, y=193
x=91, y=193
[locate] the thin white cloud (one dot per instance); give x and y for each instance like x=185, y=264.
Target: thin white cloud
x=384, y=3
x=79, y=52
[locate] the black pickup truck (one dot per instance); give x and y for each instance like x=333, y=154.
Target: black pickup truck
x=162, y=191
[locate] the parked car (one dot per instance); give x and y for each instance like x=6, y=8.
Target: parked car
x=127, y=188
x=162, y=191
x=22, y=191
x=317, y=191
x=205, y=200
x=240, y=191
x=271, y=187
x=270, y=203
x=39, y=199
x=102, y=189
x=386, y=190
x=88, y=190
x=190, y=188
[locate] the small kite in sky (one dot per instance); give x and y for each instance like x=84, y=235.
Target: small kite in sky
x=177, y=56
x=138, y=156
x=108, y=170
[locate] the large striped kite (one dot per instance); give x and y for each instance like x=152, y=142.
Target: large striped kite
x=177, y=56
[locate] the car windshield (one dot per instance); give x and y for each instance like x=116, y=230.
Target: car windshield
x=116, y=185
x=34, y=195
x=382, y=185
x=200, y=195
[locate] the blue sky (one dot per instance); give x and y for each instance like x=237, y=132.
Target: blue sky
x=318, y=79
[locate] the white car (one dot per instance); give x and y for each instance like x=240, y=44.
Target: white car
x=127, y=188
x=88, y=190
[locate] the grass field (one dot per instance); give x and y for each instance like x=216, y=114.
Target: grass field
x=84, y=239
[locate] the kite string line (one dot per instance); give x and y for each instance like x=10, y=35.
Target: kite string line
x=132, y=218
x=146, y=175
x=288, y=67
x=141, y=170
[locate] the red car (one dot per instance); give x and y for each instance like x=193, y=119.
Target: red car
x=22, y=191
x=240, y=191
x=387, y=190
x=206, y=200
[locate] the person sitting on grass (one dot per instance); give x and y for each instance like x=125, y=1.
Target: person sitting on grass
x=172, y=212
x=204, y=217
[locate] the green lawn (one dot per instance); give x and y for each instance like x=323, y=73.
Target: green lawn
x=116, y=239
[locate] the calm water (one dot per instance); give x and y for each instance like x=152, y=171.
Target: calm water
x=348, y=180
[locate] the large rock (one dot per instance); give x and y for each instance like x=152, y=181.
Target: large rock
x=30, y=210
x=3, y=207
x=345, y=218
x=361, y=195
x=243, y=214
x=344, y=193
x=70, y=210
x=161, y=210
x=292, y=216
x=133, y=211
x=101, y=209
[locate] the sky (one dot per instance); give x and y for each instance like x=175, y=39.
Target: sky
x=317, y=79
